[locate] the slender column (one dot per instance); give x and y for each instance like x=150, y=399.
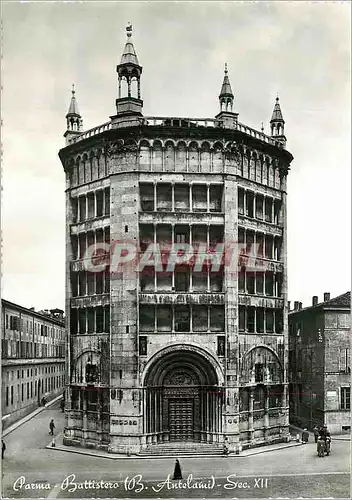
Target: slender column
x=155, y=411
x=190, y=318
x=272, y=210
x=187, y=160
x=119, y=87
x=208, y=197
x=163, y=159
x=254, y=206
x=208, y=243
x=244, y=202
x=78, y=210
x=250, y=413
x=264, y=326
x=173, y=318
x=172, y=197
x=208, y=310
x=151, y=160
x=266, y=411
x=155, y=198
x=155, y=318
x=190, y=197
x=86, y=206
x=211, y=160
x=138, y=88
x=274, y=320
x=155, y=242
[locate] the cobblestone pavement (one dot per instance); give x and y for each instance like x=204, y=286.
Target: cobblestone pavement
x=287, y=473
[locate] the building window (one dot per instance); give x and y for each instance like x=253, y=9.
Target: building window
x=7, y=397
x=12, y=395
x=259, y=372
x=143, y=346
x=221, y=345
x=182, y=319
x=345, y=398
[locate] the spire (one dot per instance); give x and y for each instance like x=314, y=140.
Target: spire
x=277, y=123
x=226, y=90
x=129, y=55
x=129, y=80
x=227, y=118
x=277, y=115
x=73, y=117
x=73, y=109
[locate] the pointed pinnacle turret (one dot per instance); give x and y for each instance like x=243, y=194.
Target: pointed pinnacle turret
x=73, y=118
x=277, y=114
x=277, y=123
x=226, y=90
x=129, y=55
x=129, y=72
x=73, y=108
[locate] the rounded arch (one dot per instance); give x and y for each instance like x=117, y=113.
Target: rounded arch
x=218, y=146
x=205, y=146
x=169, y=142
x=181, y=144
x=158, y=144
x=86, y=367
x=261, y=364
x=174, y=357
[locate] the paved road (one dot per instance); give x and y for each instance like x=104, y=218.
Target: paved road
x=288, y=473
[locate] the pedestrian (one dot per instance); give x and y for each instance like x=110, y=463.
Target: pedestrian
x=177, y=470
x=62, y=405
x=3, y=446
x=226, y=450
x=52, y=426
x=320, y=447
x=305, y=436
x=316, y=433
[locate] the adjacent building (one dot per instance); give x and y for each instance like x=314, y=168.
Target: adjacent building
x=179, y=346
x=33, y=359
x=320, y=363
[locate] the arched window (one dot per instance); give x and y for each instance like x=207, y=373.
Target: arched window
x=261, y=366
x=87, y=368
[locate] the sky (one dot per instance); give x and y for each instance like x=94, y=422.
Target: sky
x=299, y=50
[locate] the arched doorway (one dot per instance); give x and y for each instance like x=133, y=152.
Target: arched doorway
x=182, y=399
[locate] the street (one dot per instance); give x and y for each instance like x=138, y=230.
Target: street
x=31, y=470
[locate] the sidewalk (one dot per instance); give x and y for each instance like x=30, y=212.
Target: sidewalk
x=114, y=456
x=25, y=419
x=340, y=437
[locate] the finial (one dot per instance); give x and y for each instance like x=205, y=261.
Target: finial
x=129, y=29
x=73, y=89
x=226, y=68
x=262, y=129
x=277, y=97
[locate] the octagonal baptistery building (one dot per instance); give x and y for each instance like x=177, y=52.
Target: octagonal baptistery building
x=171, y=343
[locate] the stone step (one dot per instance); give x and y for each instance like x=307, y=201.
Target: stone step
x=183, y=449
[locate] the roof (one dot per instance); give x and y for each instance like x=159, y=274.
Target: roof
x=341, y=300
x=129, y=55
x=73, y=109
x=32, y=312
x=226, y=89
x=277, y=114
